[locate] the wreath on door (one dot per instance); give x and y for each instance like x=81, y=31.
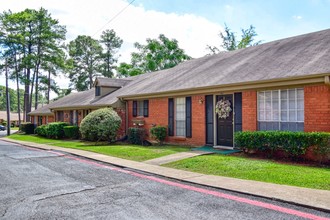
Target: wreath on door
x=223, y=108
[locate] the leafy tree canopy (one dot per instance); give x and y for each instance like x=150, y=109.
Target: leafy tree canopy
x=157, y=54
x=85, y=59
x=230, y=41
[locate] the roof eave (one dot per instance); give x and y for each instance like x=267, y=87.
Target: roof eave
x=272, y=83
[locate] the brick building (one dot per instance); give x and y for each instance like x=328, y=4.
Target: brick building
x=281, y=85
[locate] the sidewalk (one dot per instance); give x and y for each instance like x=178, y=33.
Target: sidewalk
x=319, y=199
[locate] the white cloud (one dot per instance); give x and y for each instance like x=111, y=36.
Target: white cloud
x=297, y=17
x=135, y=24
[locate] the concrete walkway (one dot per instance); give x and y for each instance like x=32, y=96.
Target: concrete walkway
x=319, y=199
x=175, y=157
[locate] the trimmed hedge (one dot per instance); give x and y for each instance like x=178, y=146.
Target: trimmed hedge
x=100, y=125
x=293, y=143
x=55, y=130
x=71, y=132
x=136, y=135
x=159, y=133
x=41, y=130
x=27, y=127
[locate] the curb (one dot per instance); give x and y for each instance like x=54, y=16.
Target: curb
x=191, y=175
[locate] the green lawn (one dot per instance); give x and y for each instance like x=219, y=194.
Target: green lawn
x=127, y=151
x=259, y=170
x=221, y=165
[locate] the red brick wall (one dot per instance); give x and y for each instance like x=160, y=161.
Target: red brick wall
x=249, y=110
x=317, y=108
x=158, y=115
x=51, y=119
x=80, y=116
x=32, y=119
x=122, y=130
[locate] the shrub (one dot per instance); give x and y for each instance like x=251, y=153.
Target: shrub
x=294, y=143
x=71, y=132
x=159, y=133
x=136, y=135
x=55, y=130
x=27, y=127
x=100, y=125
x=42, y=130
x=321, y=145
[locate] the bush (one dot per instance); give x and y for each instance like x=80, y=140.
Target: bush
x=71, y=132
x=100, y=125
x=159, y=133
x=136, y=135
x=55, y=130
x=42, y=130
x=27, y=127
x=294, y=143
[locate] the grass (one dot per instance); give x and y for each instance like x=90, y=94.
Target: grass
x=127, y=151
x=221, y=165
x=256, y=169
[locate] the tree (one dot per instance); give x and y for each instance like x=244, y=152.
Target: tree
x=111, y=43
x=126, y=69
x=28, y=38
x=62, y=93
x=85, y=60
x=230, y=42
x=13, y=99
x=157, y=54
x=49, y=35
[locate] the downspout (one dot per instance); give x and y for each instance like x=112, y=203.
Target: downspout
x=327, y=80
x=126, y=116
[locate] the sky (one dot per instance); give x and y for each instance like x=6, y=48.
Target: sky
x=194, y=23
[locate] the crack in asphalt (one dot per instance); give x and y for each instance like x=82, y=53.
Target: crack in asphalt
x=7, y=208
x=64, y=194
x=5, y=212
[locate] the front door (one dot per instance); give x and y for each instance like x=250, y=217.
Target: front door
x=225, y=123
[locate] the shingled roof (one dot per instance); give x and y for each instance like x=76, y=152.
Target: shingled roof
x=298, y=56
x=110, y=82
x=290, y=58
x=78, y=99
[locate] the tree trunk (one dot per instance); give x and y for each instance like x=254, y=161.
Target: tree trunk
x=90, y=80
x=27, y=94
x=48, y=89
x=27, y=85
x=18, y=94
x=32, y=87
x=7, y=101
x=36, y=92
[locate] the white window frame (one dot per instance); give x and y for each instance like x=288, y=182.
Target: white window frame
x=262, y=106
x=180, y=117
x=140, y=108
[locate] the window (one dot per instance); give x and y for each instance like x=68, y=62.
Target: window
x=71, y=118
x=97, y=90
x=141, y=108
x=281, y=110
x=39, y=120
x=76, y=117
x=85, y=113
x=60, y=116
x=180, y=117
